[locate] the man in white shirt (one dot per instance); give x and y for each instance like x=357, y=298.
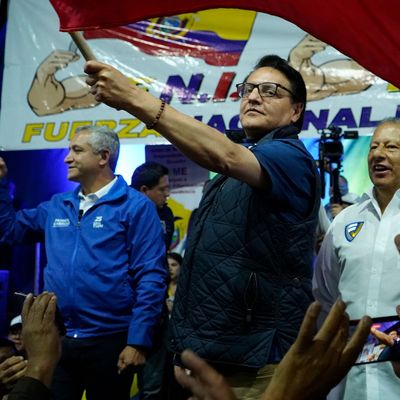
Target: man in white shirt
x=359, y=260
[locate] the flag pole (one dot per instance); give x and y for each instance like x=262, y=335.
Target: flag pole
x=82, y=45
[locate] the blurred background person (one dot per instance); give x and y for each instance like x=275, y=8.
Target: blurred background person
x=152, y=180
x=15, y=334
x=334, y=207
x=174, y=266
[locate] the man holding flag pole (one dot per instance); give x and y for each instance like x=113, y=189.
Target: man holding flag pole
x=237, y=291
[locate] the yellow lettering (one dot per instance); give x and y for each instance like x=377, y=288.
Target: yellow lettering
x=109, y=123
x=49, y=135
x=52, y=132
x=147, y=132
x=126, y=132
x=392, y=88
x=31, y=130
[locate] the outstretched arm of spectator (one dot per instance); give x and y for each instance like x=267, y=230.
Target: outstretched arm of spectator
x=318, y=361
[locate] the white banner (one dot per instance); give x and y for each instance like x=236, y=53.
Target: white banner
x=193, y=61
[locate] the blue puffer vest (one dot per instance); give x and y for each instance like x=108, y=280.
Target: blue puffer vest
x=246, y=280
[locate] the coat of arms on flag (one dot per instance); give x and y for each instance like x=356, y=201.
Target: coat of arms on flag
x=216, y=36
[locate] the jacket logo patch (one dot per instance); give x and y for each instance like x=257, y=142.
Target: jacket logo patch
x=97, y=223
x=61, y=222
x=352, y=230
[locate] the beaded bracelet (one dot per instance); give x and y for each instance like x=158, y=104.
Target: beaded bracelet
x=158, y=116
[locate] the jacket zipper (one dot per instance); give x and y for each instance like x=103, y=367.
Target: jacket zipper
x=250, y=296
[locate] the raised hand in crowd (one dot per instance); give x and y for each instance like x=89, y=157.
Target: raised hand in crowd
x=318, y=361
x=204, y=381
x=41, y=336
x=336, y=209
x=11, y=370
x=315, y=363
x=43, y=347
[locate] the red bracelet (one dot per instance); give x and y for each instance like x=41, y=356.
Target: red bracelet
x=158, y=116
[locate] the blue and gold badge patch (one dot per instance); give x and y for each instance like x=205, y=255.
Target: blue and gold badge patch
x=352, y=230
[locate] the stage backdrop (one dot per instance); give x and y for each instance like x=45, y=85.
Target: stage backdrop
x=193, y=61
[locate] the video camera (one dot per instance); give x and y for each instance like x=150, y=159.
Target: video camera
x=330, y=154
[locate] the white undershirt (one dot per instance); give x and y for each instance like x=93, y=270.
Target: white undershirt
x=88, y=201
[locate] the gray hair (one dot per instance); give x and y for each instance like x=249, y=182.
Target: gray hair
x=389, y=120
x=103, y=138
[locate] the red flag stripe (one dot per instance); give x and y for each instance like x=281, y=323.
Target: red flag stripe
x=366, y=30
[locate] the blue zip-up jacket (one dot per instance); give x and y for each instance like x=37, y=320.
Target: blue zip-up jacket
x=106, y=268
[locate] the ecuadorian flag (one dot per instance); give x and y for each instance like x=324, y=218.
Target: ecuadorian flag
x=217, y=36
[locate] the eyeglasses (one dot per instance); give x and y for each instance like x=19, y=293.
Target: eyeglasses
x=265, y=89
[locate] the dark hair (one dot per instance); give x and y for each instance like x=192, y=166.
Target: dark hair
x=298, y=87
x=148, y=174
x=175, y=256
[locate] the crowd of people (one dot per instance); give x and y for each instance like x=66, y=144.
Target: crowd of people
x=242, y=298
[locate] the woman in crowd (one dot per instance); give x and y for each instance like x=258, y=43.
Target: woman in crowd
x=174, y=266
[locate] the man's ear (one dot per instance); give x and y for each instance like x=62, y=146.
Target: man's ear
x=144, y=189
x=297, y=110
x=104, y=157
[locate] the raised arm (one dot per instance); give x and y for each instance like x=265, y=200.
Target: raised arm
x=22, y=226
x=383, y=337
x=201, y=143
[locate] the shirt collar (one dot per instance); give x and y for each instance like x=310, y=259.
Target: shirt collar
x=100, y=193
x=370, y=195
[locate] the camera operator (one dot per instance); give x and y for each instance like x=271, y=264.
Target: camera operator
x=330, y=159
x=347, y=198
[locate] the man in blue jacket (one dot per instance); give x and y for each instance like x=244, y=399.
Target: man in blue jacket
x=106, y=256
